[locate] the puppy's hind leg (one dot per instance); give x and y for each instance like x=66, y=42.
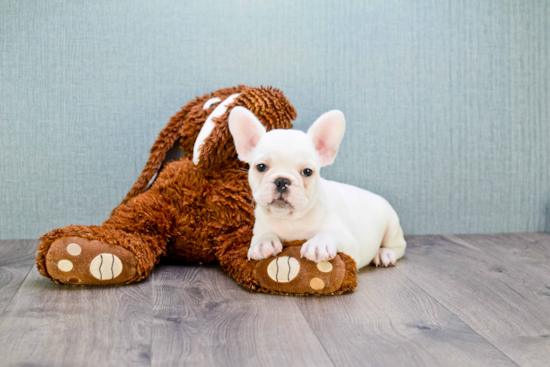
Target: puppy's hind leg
x=393, y=244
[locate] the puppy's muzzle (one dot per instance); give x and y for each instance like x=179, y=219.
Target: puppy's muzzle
x=282, y=184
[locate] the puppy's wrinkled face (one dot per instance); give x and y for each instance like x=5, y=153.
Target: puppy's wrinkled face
x=285, y=164
x=284, y=170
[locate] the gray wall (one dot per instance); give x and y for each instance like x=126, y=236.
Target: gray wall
x=446, y=101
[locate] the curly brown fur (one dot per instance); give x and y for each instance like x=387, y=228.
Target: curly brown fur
x=199, y=213
x=183, y=127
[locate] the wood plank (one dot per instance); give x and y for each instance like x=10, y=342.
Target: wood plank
x=53, y=325
x=494, y=298
x=538, y=241
x=527, y=253
x=16, y=260
x=511, y=245
x=497, y=284
x=202, y=317
x=389, y=321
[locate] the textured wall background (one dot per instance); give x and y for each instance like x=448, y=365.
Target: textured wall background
x=446, y=101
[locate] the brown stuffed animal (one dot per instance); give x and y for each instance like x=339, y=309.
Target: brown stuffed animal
x=196, y=209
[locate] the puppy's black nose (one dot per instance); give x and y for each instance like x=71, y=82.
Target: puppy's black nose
x=281, y=184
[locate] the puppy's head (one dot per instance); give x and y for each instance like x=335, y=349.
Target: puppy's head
x=285, y=164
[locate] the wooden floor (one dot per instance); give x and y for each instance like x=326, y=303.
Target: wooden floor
x=476, y=300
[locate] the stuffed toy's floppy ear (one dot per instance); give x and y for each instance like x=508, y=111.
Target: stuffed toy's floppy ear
x=246, y=130
x=183, y=128
x=327, y=133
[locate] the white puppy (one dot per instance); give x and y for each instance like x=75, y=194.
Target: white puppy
x=295, y=203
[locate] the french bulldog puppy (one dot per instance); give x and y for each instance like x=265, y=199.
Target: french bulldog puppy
x=293, y=202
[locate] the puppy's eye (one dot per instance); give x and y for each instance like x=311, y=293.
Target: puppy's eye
x=261, y=167
x=307, y=172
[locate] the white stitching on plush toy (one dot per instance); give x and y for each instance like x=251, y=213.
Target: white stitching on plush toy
x=209, y=126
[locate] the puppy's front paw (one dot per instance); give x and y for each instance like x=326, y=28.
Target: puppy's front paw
x=385, y=256
x=264, y=248
x=319, y=248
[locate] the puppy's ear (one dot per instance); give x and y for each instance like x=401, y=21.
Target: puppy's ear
x=246, y=130
x=327, y=133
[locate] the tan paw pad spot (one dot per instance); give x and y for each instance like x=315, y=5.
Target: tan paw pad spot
x=106, y=266
x=283, y=269
x=74, y=249
x=65, y=265
x=324, y=266
x=317, y=284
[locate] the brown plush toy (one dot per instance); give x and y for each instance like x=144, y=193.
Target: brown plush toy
x=196, y=209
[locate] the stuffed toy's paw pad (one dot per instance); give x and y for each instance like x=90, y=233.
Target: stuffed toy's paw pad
x=78, y=261
x=289, y=273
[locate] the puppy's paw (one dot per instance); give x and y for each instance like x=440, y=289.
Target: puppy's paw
x=385, y=257
x=319, y=248
x=264, y=248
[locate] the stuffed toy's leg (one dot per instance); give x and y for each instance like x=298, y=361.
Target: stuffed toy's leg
x=287, y=273
x=122, y=250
